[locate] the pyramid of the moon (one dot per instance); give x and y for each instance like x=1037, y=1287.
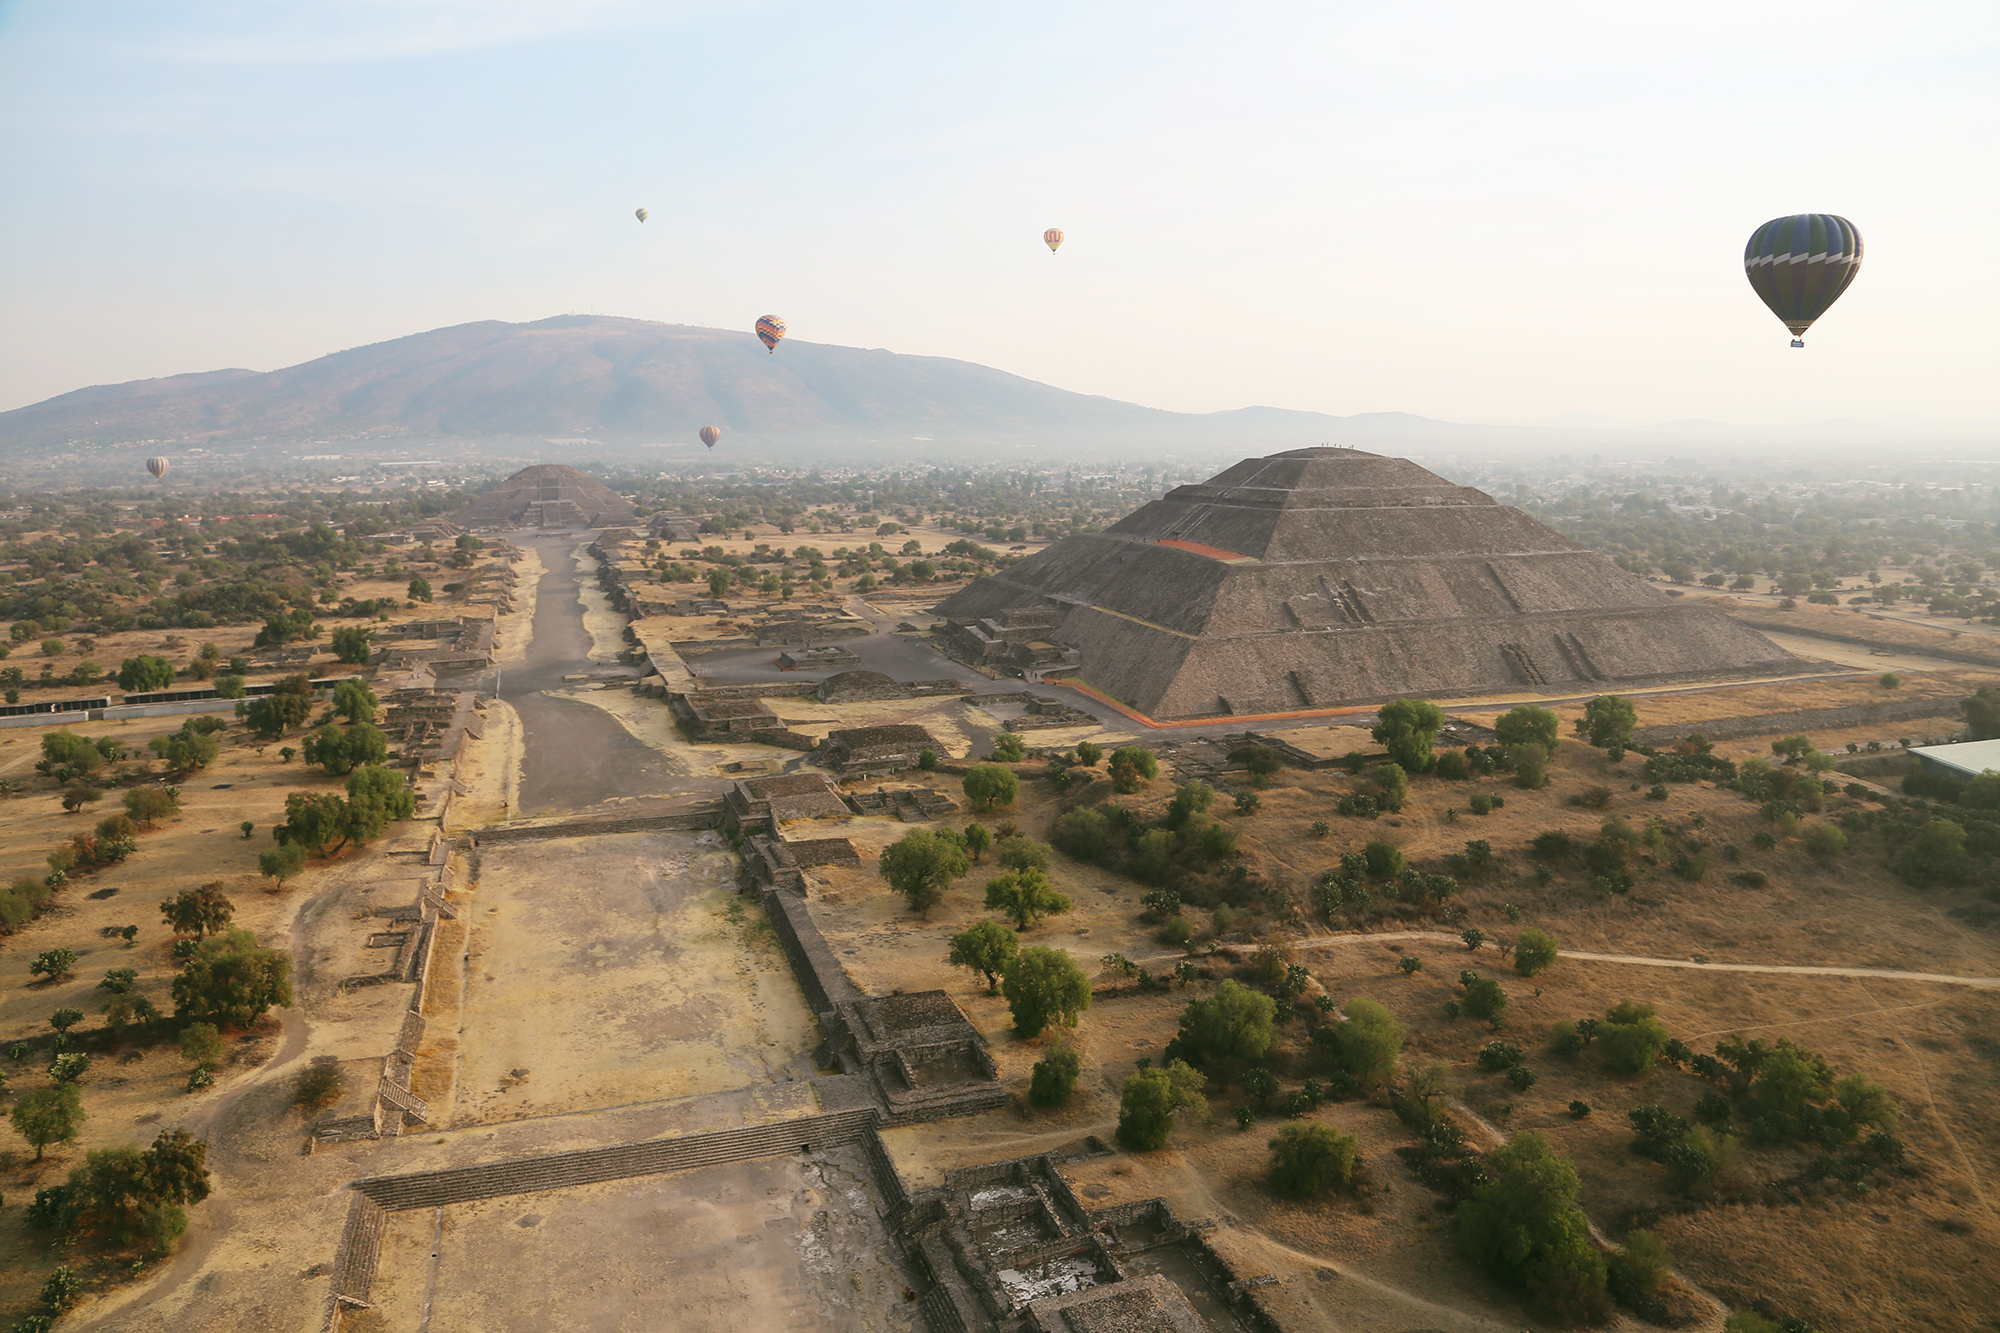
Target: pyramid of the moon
x=1321, y=577
x=548, y=495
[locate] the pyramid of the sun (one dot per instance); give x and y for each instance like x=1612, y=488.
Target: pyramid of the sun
x=548, y=495
x=1326, y=576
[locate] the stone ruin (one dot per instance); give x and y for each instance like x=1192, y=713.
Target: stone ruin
x=548, y=495
x=918, y=1049
x=817, y=659
x=1010, y=1245
x=881, y=749
x=1321, y=577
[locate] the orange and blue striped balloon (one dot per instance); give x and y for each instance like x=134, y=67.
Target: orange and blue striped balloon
x=770, y=328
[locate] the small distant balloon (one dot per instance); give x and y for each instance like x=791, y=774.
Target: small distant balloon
x=770, y=328
x=1801, y=264
x=157, y=466
x=639, y=213
x=710, y=434
x=1053, y=239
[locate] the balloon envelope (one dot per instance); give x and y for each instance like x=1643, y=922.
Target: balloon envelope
x=709, y=435
x=1053, y=238
x=639, y=213
x=1801, y=264
x=157, y=466
x=770, y=328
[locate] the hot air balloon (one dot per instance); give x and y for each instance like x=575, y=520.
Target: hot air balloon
x=1053, y=238
x=1801, y=264
x=157, y=466
x=639, y=213
x=770, y=328
x=710, y=434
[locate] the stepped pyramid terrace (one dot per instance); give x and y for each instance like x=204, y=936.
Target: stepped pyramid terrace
x=1321, y=577
x=548, y=495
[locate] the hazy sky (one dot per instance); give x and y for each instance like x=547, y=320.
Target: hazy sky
x=1525, y=212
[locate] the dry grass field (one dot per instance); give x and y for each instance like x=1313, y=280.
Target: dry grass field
x=1832, y=1254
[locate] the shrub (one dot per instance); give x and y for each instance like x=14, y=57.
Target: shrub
x=1578, y=1110
x=1025, y=896
x=1235, y=1023
x=1631, y=1038
x=1535, y=952
x=198, y=912
x=1406, y=728
x=1365, y=1047
x=1384, y=859
x=1525, y=724
x=1521, y=1078
x=1485, y=999
x=1499, y=1055
x=202, y=1044
x=1592, y=798
x=1311, y=1159
x=55, y=964
x=62, y=1020
x=1565, y=1040
x=1409, y=964
x=1055, y=1074
x=1639, y=1270
x=1132, y=767
x=49, y=1115
x=318, y=1087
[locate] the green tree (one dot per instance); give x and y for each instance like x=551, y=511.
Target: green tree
x=988, y=785
x=1088, y=753
x=1982, y=713
x=285, y=709
x=230, y=687
x=123, y=1195
x=1044, y=986
x=1608, y=722
x=1530, y=762
x=351, y=645
x=49, y=1115
x=79, y=794
x=201, y=1044
x=1524, y=1228
x=1149, y=1101
x=922, y=866
x=1406, y=728
x=232, y=981
x=976, y=840
x=986, y=947
x=1191, y=801
x=1016, y=852
x=199, y=912
x=282, y=862
x=1309, y=1160
x=69, y=1067
x=186, y=750
x=1008, y=749
x=718, y=584
x=1631, y=1038
x=1535, y=952
x=1936, y=855
x=62, y=1020
x=1132, y=767
x=1235, y=1023
x=420, y=589
x=1367, y=1044
x=145, y=675
x=55, y=964
x=353, y=700
x=1383, y=860
x=341, y=750
x=1525, y=724
x=1055, y=1074
x=1024, y=897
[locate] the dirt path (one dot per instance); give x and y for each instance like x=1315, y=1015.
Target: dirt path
x=1637, y=960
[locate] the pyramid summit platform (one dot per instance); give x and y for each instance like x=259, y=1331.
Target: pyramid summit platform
x=1323, y=577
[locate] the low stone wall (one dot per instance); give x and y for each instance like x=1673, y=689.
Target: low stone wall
x=681, y=821
x=787, y=689
x=819, y=973
x=1805, y=720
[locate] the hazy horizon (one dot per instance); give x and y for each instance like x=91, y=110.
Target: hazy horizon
x=1533, y=217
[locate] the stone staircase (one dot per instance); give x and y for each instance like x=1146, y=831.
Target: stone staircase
x=435, y=1189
